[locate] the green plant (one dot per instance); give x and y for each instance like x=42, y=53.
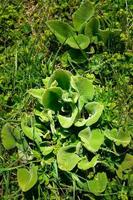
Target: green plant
x=62, y=132
x=85, y=32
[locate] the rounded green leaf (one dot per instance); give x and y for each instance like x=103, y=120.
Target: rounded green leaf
x=95, y=110
x=92, y=27
x=67, y=122
x=37, y=93
x=78, y=41
x=84, y=87
x=61, y=30
x=29, y=129
x=67, y=158
x=77, y=56
x=51, y=98
x=98, y=184
x=83, y=14
x=62, y=77
x=27, y=178
x=84, y=164
x=118, y=136
x=8, y=140
x=92, y=140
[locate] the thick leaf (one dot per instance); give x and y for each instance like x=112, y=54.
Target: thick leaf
x=84, y=87
x=62, y=77
x=67, y=122
x=37, y=93
x=95, y=110
x=84, y=164
x=46, y=150
x=8, y=140
x=118, y=136
x=92, y=27
x=67, y=158
x=92, y=140
x=51, y=98
x=76, y=56
x=83, y=14
x=31, y=131
x=61, y=30
x=78, y=41
x=98, y=184
x=27, y=178
x=126, y=164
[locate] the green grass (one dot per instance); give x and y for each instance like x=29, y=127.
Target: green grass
x=30, y=53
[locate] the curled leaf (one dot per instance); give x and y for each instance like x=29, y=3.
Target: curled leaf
x=118, y=136
x=27, y=178
x=62, y=77
x=84, y=164
x=8, y=140
x=92, y=140
x=98, y=184
x=83, y=14
x=67, y=122
x=67, y=158
x=51, y=98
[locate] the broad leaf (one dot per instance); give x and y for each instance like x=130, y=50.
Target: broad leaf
x=83, y=14
x=67, y=122
x=67, y=158
x=8, y=140
x=51, y=98
x=29, y=129
x=98, y=184
x=84, y=164
x=61, y=30
x=77, y=56
x=104, y=35
x=46, y=150
x=95, y=110
x=92, y=140
x=84, y=87
x=118, y=136
x=27, y=178
x=37, y=93
x=92, y=27
x=62, y=78
x=78, y=41
x=126, y=164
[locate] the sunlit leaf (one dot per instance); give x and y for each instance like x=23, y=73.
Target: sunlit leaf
x=61, y=29
x=67, y=122
x=51, y=98
x=27, y=178
x=126, y=164
x=78, y=41
x=37, y=93
x=83, y=14
x=62, y=77
x=67, y=158
x=84, y=87
x=8, y=140
x=46, y=150
x=98, y=184
x=92, y=140
x=30, y=131
x=95, y=110
x=84, y=164
x=118, y=136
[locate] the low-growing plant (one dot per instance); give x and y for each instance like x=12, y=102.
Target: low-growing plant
x=84, y=33
x=62, y=131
